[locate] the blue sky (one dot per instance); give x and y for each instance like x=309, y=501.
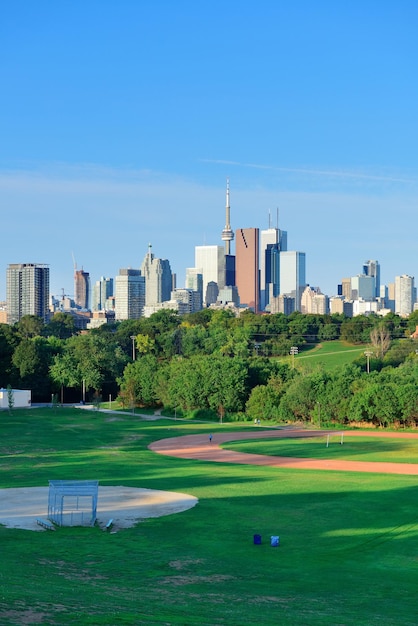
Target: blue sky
x=120, y=122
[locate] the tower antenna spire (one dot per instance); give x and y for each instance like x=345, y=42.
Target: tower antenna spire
x=227, y=233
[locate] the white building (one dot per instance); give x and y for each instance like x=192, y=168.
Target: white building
x=21, y=398
x=404, y=295
x=210, y=262
x=293, y=275
x=129, y=294
x=314, y=302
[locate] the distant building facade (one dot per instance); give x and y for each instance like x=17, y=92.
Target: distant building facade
x=404, y=295
x=82, y=289
x=158, y=279
x=102, y=292
x=129, y=294
x=247, y=267
x=272, y=242
x=210, y=262
x=293, y=275
x=27, y=286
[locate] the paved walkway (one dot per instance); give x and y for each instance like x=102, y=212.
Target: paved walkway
x=199, y=447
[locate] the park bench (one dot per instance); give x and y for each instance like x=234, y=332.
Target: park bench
x=45, y=524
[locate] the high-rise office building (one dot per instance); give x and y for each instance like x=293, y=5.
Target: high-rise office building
x=210, y=262
x=404, y=295
x=158, y=279
x=293, y=275
x=81, y=289
x=363, y=287
x=27, y=291
x=129, y=294
x=272, y=242
x=102, y=291
x=247, y=267
x=372, y=268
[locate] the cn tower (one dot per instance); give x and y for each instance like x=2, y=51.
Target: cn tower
x=227, y=233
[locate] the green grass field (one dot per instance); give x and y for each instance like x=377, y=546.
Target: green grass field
x=348, y=542
x=352, y=449
x=330, y=354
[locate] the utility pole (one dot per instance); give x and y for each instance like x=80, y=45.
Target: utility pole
x=368, y=354
x=293, y=350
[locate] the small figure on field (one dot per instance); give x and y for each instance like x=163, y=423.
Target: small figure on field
x=210, y=438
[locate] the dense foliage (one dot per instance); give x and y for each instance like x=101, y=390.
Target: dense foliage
x=226, y=366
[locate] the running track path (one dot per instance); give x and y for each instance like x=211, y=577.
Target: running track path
x=199, y=447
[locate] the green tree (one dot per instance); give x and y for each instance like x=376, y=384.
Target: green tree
x=328, y=332
x=138, y=385
x=30, y=326
x=93, y=358
x=61, y=326
x=9, y=340
x=263, y=403
x=357, y=329
x=32, y=358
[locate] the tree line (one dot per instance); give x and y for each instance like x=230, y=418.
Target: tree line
x=216, y=364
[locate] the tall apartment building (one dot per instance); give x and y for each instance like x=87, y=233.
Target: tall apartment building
x=158, y=279
x=210, y=262
x=293, y=275
x=247, y=267
x=82, y=289
x=129, y=294
x=404, y=295
x=102, y=291
x=27, y=287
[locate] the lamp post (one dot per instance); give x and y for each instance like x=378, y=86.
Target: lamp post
x=133, y=347
x=293, y=350
x=368, y=354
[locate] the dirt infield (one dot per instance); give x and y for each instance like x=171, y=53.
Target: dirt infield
x=20, y=508
x=199, y=447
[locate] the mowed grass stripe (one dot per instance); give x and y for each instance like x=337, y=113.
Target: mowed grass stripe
x=356, y=448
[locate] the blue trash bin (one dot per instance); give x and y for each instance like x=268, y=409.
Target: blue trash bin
x=257, y=540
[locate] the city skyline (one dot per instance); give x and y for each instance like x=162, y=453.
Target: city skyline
x=307, y=109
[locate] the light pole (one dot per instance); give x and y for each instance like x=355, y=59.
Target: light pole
x=368, y=354
x=133, y=347
x=293, y=350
